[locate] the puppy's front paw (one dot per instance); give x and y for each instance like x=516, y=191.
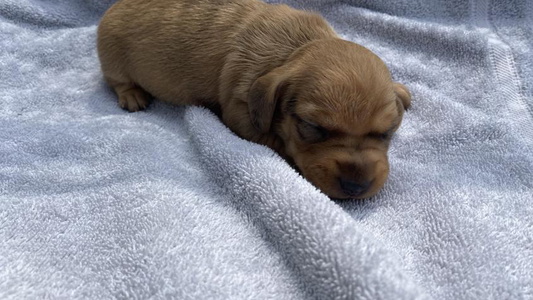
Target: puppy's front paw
x=133, y=99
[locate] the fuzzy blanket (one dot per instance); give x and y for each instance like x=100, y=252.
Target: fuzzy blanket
x=98, y=203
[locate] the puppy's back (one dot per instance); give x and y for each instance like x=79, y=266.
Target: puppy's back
x=173, y=49
x=178, y=50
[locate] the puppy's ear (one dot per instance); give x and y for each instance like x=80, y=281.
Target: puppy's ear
x=263, y=98
x=403, y=95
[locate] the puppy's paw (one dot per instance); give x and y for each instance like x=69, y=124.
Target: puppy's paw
x=133, y=99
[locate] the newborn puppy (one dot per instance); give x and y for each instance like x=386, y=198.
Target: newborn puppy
x=279, y=77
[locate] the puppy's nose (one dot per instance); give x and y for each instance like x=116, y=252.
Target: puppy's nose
x=354, y=188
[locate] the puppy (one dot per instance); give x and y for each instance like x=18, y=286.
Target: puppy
x=279, y=77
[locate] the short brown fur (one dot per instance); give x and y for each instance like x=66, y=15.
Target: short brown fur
x=281, y=77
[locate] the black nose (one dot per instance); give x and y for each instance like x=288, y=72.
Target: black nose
x=354, y=188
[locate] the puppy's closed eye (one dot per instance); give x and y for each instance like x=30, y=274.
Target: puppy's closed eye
x=382, y=136
x=310, y=132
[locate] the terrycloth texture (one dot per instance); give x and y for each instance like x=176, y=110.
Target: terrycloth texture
x=97, y=203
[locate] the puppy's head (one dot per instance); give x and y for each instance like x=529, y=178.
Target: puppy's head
x=335, y=107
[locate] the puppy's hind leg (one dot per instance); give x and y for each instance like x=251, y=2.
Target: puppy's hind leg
x=130, y=96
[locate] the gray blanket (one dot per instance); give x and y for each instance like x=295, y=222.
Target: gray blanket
x=98, y=203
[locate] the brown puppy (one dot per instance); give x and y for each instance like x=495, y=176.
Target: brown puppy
x=281, y=77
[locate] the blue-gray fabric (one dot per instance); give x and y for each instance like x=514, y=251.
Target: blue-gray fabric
x=98, y=203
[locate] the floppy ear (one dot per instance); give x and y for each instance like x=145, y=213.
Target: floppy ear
x=403, y=95
x=263, y=97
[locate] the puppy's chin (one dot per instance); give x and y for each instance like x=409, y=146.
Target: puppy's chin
x=327, y=176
